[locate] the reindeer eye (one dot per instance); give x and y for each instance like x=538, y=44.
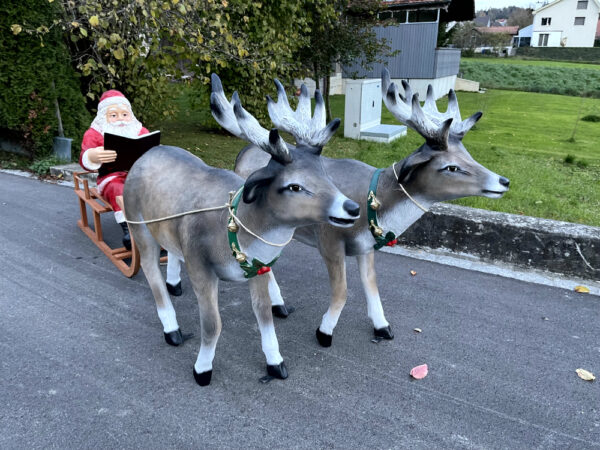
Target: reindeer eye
x=452, y=168
x=294, y=187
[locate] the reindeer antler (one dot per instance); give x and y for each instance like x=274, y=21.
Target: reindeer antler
x=235, y=119
x=307, y=130
x=427, y=120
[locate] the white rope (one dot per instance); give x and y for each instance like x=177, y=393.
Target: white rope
x=195, y=211
x=214, y=208
x=256, y=235
x=406, y=193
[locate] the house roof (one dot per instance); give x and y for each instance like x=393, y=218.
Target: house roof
x=506, y=30
x=597, y=2
x=482, y=21
x=416, y=3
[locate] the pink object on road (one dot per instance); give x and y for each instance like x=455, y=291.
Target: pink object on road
x=419, y=372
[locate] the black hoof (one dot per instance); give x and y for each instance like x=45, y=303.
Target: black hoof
x=176, y=337
x=203, y=379
x=280, y=311
x=174, y=290
x=324, y=339
x=278, y=371
x=385, y=333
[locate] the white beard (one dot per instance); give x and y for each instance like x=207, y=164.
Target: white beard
x=126, y=129
x=130, y=129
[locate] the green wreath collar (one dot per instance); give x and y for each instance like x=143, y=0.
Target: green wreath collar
x=251, y=269
x=382, y=239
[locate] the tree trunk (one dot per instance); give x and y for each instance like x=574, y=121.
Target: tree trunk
x=316, y=74
x=326, y=96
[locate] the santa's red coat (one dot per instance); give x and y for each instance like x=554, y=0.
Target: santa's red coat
x=93, y=139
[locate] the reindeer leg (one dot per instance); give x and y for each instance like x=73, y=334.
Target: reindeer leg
x=336, y=266
x=149, y=260
x=206, y=288
x=366, y=267
x=277, y=304
x=259, y=292
x=173, y=275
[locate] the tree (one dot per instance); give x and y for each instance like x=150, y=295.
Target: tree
x=521, y=17
x=28, y=69
x=343, y=35
x=135, y=46
x=275, y=31
x=465, y=36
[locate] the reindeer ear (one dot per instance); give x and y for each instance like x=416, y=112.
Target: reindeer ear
x=412, y=163
x=257, y=182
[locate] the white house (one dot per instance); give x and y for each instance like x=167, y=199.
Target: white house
x=565, y=23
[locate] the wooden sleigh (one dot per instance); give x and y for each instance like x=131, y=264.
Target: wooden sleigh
x=127, y=261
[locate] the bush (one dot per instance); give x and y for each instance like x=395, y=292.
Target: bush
x=591, y=118
x=28, y=65
x=585, y=55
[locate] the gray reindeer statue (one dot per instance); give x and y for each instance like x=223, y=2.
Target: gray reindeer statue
x=395, y=197
x=224, y=227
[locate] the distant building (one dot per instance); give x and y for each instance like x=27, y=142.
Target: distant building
x=565, y=23
x=414, y=32
x=512, y=31
x=523, y=39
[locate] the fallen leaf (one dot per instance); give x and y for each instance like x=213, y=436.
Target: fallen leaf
x=585, y=375
x=582, y=289
x=417, y=330
x=419, y=372
x=413, y=273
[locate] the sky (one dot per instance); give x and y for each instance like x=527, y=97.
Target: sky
x=485, y=4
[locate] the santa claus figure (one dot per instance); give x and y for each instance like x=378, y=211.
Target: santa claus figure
x=115, y=117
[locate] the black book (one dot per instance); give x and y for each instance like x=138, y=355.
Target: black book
x=128, y=150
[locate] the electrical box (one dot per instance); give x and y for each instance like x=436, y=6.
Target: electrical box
x=362, y=115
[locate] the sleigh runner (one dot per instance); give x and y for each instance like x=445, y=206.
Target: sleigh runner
x=127, y=261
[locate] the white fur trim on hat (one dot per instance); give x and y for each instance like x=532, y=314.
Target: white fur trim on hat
x=114, y=100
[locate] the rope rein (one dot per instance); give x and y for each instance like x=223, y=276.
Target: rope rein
x=214, y=208
x=406, y=193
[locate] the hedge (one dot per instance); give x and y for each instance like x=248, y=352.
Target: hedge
x=572, y=54
x=28, y=65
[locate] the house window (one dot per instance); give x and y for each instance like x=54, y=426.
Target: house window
x=384, y=15
x=425, y=15
x=400, y=16
x=582, y=4
x=543, y=40
x=579, y=20
x=546, y=20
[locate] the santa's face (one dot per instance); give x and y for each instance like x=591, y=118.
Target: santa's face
x=118, y=115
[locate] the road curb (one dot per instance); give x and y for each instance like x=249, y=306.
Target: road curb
x=521, y=241
x=527, y=242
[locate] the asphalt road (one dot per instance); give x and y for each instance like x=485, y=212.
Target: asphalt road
x=84, y=363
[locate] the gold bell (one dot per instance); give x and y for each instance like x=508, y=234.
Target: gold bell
x=240, y=257
x=377, y=231
x=375, y=204
x=232, y=226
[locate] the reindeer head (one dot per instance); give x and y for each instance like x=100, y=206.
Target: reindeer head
x=442, y=168
x=293, y=185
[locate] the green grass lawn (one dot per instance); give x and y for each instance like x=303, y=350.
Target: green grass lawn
x=523, y=136
x=534, y=76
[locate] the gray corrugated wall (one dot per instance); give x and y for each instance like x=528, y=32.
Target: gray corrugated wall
x=416, y=42
x=447, y=62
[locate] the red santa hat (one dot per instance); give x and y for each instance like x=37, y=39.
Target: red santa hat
x=112, y=97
